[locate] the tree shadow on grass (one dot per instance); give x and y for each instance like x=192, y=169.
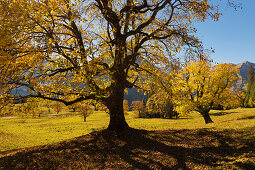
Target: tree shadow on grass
x=139, y=149
x=249, y=117
x=221, y=113
x=2, y=153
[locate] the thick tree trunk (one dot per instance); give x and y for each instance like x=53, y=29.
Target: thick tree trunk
x=114, y=102
x=206, y=117
x=115, y=106
x=117, y=120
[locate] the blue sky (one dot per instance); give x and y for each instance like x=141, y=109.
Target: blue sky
x=233, y=36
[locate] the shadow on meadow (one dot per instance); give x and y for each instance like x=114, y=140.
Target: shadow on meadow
x=249, y=117
x=221, y=113
x=140, y=149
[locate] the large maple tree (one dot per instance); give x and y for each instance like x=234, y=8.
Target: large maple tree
x=75, y=50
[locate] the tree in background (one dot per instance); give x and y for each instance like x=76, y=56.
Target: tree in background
x=71, y=51
x=4, y=104
x=241, y=97
x=57, y=107
x=85, y=110
x=73, y=107
x=250, y=89
x=7, y=109
x=233, y=99
x=47, y=104
x=199, y=86
x=139, y=107
x=32, y=106
x=160, y=105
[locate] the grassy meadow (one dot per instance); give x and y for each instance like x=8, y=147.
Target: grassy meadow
x=65, y=141
x=21, y=132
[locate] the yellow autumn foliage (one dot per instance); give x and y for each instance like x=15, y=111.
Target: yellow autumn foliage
x=200, y=86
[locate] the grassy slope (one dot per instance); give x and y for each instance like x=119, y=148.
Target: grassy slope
x=228, y=143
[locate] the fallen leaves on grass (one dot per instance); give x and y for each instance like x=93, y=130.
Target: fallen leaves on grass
x=140, y=149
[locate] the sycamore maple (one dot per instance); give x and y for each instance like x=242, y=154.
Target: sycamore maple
x=75, y=50
x=200, y=86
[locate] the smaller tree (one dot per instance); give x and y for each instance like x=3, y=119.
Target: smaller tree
x=101, y=107
x=57, y=107
x=241, y=97
x=140, y=108
x=250, y=89
x=7, y=110
x=48, y=105
x=6, y=106
x=85, y=110
x=32, y=106
x=199, y=86
x=74, y=107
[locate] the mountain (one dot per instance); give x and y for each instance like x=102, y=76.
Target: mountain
x=133, y=95
x=243, y=67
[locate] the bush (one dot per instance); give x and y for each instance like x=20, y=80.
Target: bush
x=160, y=106
x=139, y=108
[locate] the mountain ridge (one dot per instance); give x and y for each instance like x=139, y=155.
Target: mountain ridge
x=243, y=68
x=134, y=95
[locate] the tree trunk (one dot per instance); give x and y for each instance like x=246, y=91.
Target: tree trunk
x=115, y=107
x=114, y=102
x=206, y=117
x=84, y=118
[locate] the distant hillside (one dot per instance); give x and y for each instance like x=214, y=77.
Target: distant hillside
x=133, y=95
x=243, y=67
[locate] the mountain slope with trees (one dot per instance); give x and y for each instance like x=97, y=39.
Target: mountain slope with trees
x=243, y=68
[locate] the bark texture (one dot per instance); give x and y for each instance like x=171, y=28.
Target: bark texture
x=207, y=117
x=115, y=106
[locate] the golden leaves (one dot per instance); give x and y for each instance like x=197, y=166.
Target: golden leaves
x=199, y=85
x=73, y=48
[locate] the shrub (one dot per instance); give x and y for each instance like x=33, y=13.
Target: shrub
x=159, y=105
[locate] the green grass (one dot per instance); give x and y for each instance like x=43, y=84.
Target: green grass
x=26, y=132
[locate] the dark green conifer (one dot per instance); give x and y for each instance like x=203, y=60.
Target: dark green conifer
x=250, y=92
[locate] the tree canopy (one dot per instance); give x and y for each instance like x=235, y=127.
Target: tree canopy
x=200, y=86
x=74, y=50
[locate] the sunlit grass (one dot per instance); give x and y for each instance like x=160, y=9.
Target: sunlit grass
x=227, y=119
x=26, y=132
